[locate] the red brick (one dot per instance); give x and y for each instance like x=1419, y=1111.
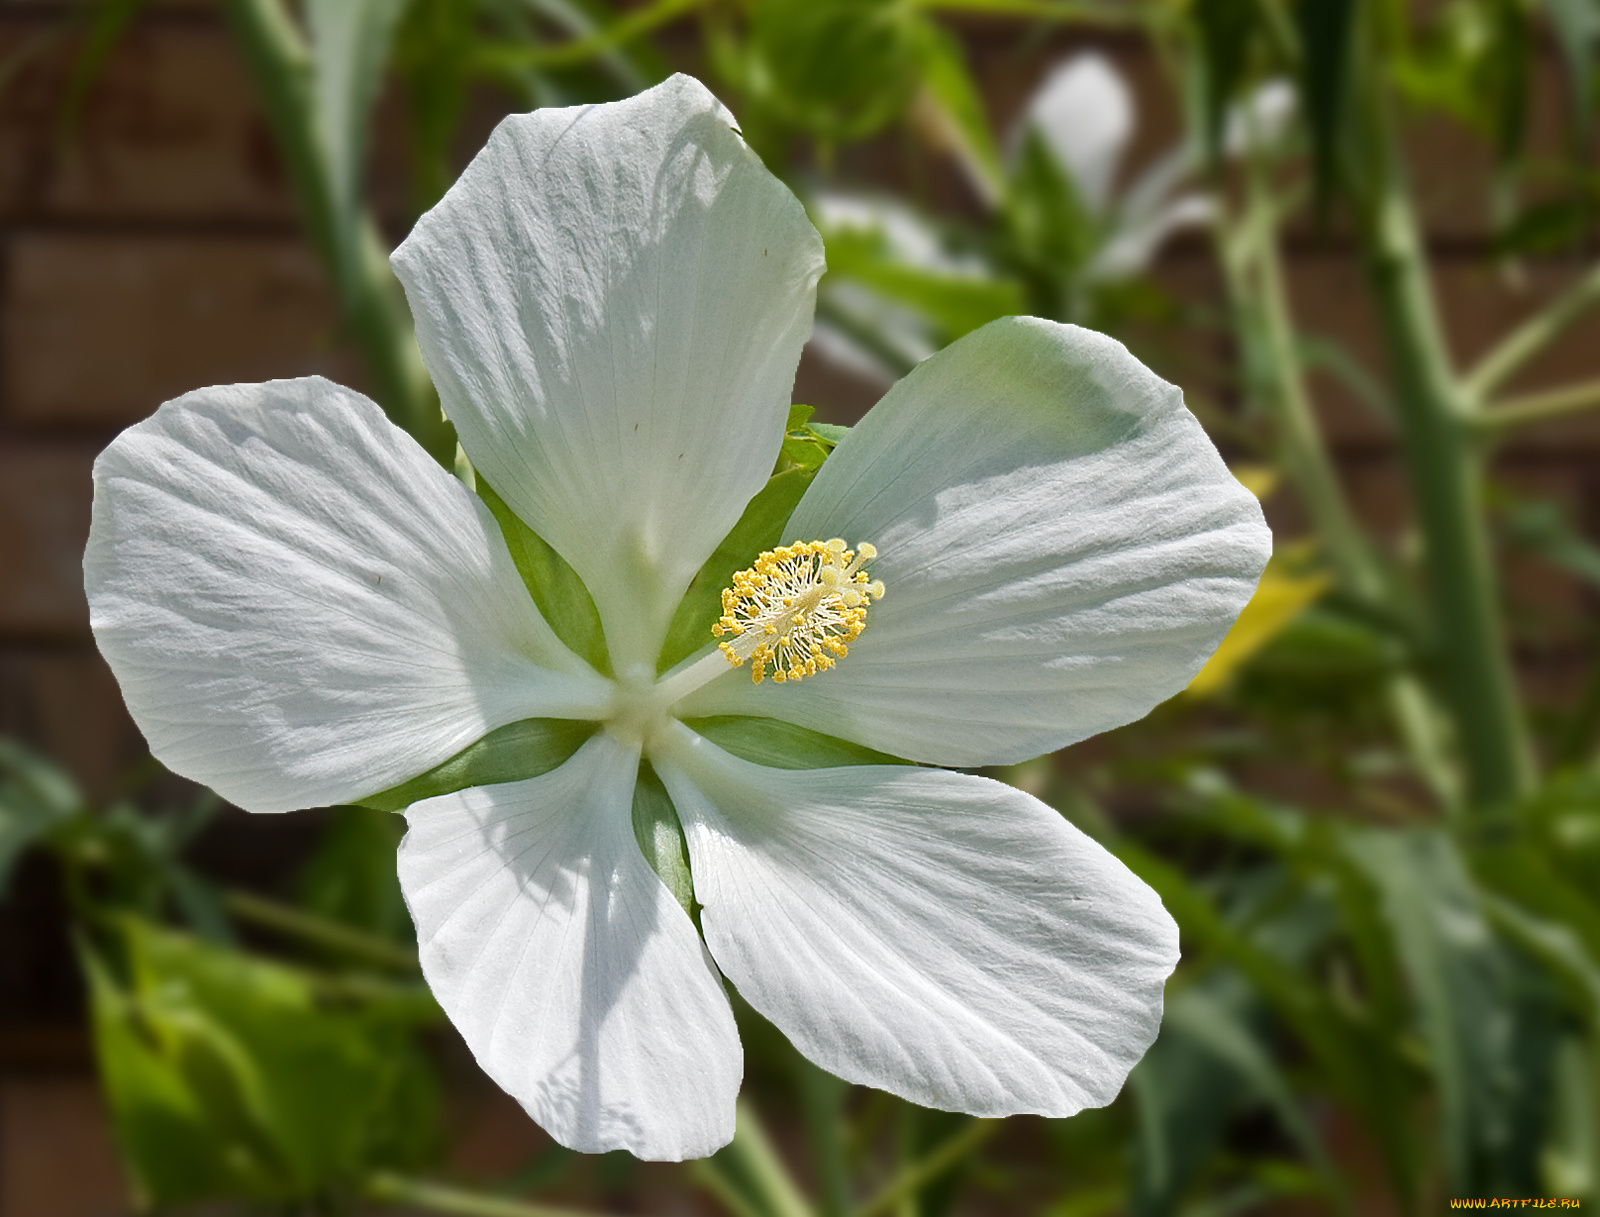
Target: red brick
x=44, y=524
x=101, y=329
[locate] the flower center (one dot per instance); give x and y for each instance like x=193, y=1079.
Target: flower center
x=798, y=608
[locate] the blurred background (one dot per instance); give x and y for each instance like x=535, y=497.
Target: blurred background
x=1360, y=234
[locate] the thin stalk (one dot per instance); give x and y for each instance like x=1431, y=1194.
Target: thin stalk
x=345, y=239
x=1526, y=341
x=1538, y=407
x=914, y=1177
x=1443, y=463
x=635, y=25
x=751, y=1159
x=269, y=914
x=386, y=1187
x=822, y=1098
x=1253, y=265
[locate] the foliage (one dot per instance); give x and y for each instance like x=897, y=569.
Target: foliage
x=1401, y=955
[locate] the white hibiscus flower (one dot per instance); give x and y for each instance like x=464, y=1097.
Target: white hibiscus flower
x=302, y=608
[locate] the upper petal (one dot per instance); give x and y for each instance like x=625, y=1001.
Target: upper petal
x=1062, y=546
x=944, y=937
x=612, y=301
x=301, y=607
x=576, y=979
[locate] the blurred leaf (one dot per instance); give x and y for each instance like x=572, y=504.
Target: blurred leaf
x=949, y=86
x=760, y=528
x=1279, y=598
x=1354, y=1059
x=232, y=1078
x=836, y=69
x=1461, y=980
x=507, y=754
x=352, y=877
x=1576, y=24
x=107, y=20
x=1543, y=528
x=956, y=303
x=434, y=49
x=35, y=799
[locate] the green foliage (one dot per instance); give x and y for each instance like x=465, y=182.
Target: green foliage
x=553, y=584
x=36, y=799
x=233, y=1078
x=507, y=754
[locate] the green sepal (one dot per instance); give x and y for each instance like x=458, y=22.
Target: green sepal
x=759, y=528
x=509, y=754
x=553, y=584
x=781, y=745
x=660, y=836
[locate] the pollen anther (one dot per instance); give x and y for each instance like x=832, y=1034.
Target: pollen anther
x=798, y=608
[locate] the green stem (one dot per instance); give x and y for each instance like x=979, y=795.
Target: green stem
x=749, y=1173
x=1443, y=463
x=344, y=236
x=1539, y=407
x=388, y=1188
x=919, y=1174
x=1253, y=264
x=635, y=25
x=269, y=914
x=1532, y=336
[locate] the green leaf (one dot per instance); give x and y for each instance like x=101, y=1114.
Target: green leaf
x=946, y=80
x=1460, y=977
x=231, y=1078
x=838, y=69
x=1227, y=35
x=553, y=584
x=352, y=878
x=781, y=745
x=35, y=799
x=509, y=754
x=660, y=836
x=760, y=528
x=956, y=303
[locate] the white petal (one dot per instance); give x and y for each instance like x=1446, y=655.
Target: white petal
x=1084, y=112
x=944, y=937
x=1063, y=549
x=301, y=607
x=612, y=300
x=577, y=981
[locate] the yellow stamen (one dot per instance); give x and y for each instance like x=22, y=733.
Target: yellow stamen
x=798, y=608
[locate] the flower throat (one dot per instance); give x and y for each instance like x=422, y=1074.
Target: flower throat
x=798, y=608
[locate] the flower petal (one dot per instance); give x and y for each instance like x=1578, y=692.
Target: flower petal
x=1063, y=549
x=612, y=300
x=301, y=607
x=944, y=937
x=574, y=976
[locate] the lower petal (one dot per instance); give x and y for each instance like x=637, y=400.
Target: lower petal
x=944, y=937
x=573, y=975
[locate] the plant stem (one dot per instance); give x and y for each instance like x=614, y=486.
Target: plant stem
x=1252, y=261
x=915, y=1176
x=1531, y=337
x=386, y=1187
x=269, y=914
x=344, y=236
x=752, y=1174
x=1443, y=464
x=1538, y=407
x=636, y=24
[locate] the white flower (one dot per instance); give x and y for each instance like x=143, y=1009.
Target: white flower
x=302, y=608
